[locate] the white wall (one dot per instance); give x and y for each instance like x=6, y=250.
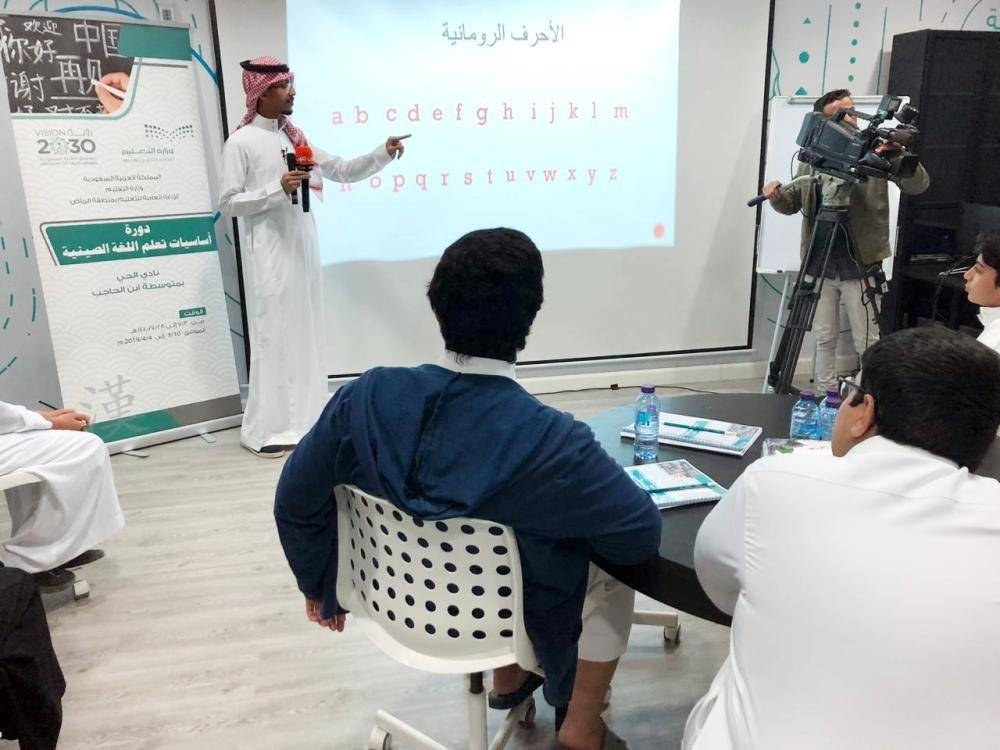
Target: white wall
x=247, y=29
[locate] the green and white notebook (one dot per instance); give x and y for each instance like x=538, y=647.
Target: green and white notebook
x=673, y=483
x=702, y=434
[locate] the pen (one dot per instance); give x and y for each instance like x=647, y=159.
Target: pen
x=111, y=89
x=692, y=427
x=45, y=404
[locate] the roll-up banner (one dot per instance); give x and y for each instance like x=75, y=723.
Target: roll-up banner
x=112, y=180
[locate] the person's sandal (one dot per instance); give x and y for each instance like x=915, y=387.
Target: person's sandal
x=507, y=701
x=268, y=451
x=84, y=558
x=56, y=579
x=612, y=741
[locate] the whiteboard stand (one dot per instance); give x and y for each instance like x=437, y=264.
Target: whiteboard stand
x=778, y=327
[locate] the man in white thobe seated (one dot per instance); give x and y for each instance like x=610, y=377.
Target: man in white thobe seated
x=281, y=262
x=864, y=585
x=982, y=285
x=56, y=524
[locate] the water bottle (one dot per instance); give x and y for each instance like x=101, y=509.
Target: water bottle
x=805, y=418
x=647, y=426
x=828, y=415
x=830, y=393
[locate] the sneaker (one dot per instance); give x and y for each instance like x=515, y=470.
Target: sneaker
x=268, y=451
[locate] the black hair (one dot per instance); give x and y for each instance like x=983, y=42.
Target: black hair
x=830, y=96
x=486, y=291
x=934, y=389
x=988, y=245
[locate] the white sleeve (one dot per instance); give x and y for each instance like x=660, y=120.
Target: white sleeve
x=14, y=418
x=236, y=200
x=719, y=550
x=340, y=170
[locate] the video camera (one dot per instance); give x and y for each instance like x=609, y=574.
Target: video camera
x=834, y=146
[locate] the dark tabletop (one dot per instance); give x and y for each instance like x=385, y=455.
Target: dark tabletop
x=670, y=578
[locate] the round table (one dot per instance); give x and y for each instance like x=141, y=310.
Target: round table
x=670, y=578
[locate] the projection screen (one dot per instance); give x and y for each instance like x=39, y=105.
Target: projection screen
x=624, y=138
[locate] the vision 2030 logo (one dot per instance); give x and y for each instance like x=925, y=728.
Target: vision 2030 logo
x=60, y=146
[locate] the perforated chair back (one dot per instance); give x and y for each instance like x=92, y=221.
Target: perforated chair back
x=441, y=596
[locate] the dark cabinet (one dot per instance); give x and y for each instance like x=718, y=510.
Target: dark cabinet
x=953, y=78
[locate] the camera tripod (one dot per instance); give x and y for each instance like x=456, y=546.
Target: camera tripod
x=831, y=214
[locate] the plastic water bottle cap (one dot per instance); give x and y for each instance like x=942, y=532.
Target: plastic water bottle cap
x=649, y=389
x=807, y=396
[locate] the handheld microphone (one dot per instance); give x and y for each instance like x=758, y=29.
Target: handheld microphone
x=290, y=161
x=304, y=162
x=781, y=189
x=761, y=198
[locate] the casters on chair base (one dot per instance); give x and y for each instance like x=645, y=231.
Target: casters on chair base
x=379, y=739
x=81, y=589
x=672, y=635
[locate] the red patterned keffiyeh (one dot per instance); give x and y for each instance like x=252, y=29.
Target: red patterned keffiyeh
x=259, y=74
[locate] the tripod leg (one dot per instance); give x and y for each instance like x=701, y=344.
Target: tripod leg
x=803, y=312
x=802, y=308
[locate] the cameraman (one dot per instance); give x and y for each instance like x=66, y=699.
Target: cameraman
x=868, y=222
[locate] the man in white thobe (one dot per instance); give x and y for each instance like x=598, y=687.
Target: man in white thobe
x=281, y=261
x=74, y=508
x=864, y=585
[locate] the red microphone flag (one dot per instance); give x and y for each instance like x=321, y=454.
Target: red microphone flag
x=304, y=156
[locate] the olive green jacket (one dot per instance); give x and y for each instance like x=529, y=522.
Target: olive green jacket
x=867, y=216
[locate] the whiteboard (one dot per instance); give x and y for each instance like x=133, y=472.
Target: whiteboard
x=779, y=236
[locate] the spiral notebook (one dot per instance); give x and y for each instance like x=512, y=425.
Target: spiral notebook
x=673, y=483
x=703, y=434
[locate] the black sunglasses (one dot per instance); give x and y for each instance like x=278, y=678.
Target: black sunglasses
x=846, y=385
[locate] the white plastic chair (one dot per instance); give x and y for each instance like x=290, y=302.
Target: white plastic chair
x=81, y=589
x=667, y=620
x=440, y=596
x=16, y=479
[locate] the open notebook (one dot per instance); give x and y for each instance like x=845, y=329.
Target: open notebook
x=703, y=434
x=672, y=483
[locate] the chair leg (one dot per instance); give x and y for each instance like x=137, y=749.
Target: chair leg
x=477, y=712
x=81, y=589
x=522, y=715
x=386, y=724
x=381, y=737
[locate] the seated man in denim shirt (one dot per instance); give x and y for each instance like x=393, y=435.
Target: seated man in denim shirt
x=462, y=438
